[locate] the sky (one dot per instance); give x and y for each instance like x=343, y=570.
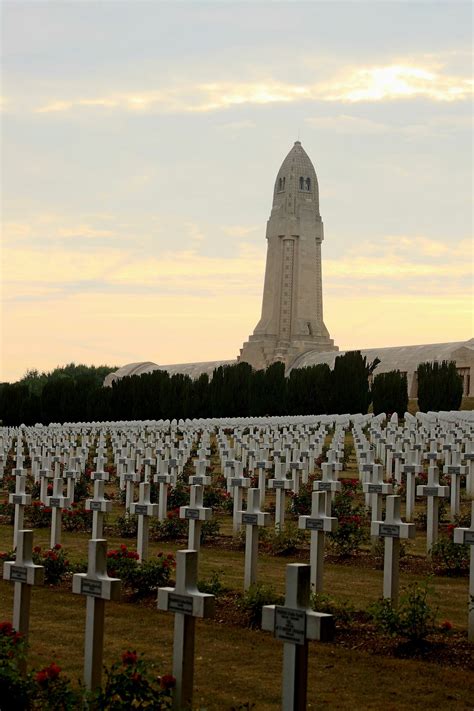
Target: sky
x=139, y=147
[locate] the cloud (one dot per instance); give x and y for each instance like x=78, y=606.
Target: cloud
x=391, y=82
x=398, y=81
x=415, y=265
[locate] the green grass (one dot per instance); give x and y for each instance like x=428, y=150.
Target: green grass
x=235, y=665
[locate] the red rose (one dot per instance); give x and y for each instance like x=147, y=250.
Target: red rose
x=167, y=681
x=129, y=658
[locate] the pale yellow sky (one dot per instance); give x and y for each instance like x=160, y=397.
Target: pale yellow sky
x=138, y=170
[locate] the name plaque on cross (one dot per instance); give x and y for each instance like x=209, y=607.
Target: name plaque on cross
x=198, y=480
x=161, y=479
x=141, y=510
x=431, y=490
x=95, y=505
x=374, y=489
x=290, y=625
x=278, y=484
x=129, y=477
x=388, y=530
x=453, y=470
x=250, y=519
x=91, y=587
x=180, y=603
x=469, y=538
x=191, y=513
x=314, y=524
x=409, y=468
x=324, y=486
x=18, y=574
x=17, y=499
x=54, y=502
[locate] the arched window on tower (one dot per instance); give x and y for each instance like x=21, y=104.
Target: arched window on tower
x=301, y=183
x=284, y=180
x=308, y=183
x=280, y=184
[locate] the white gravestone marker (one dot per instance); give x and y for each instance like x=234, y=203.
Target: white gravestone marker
x=195, y=513
x=410, y=469
x=130, y=477
x=57, y=502
x=294, y=624
x=252, y=518
x=392, y=530
x=376, y=489
x=319, y=523
x=455, y=471
x=261, y=467
x=187, y=603
x=280, y=485
x=236, y=484
x=72, y=475
x=20, y=499
x=164, y=480
x=144, y=509
x=328, y=482
x=98, y=587
x=433, y=491
x=466, y=536
x=24, y=573
x=99, y=506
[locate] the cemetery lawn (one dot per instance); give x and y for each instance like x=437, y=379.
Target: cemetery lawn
x=235, y=664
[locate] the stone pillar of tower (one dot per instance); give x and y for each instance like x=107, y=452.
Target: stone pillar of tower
x=292, y=308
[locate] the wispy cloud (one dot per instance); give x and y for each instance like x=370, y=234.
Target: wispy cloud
x=390, y=82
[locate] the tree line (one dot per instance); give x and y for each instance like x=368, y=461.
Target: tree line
x=75, y=393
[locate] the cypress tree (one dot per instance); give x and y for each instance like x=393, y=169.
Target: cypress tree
x=390, y=393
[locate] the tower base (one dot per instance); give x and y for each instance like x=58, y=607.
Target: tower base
x=260, y=351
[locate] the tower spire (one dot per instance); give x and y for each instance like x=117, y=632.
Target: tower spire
x=292, y=307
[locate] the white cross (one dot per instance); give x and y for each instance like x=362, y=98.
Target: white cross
x=57, y=502
x=187, y=603
x=392, y=530
x=466, y=536
x=433, y=491
x=98, y=587
x=130, y=477
x=195, y=513
x=319, y=523
x=252, y=518
x=24, y=573
x=144, y=509
x=99, y=506
x=280, y=484
x=410, y=469
x=235, y=485
x=376, y=489
x=72, y=475
x=261, y=466
x=21, y=499
x=455, y=471
x=294, y=624
x=164, y=480
x=295, y=468
x=328, y=483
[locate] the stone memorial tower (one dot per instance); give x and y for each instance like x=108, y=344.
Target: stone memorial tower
x=292, y=309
